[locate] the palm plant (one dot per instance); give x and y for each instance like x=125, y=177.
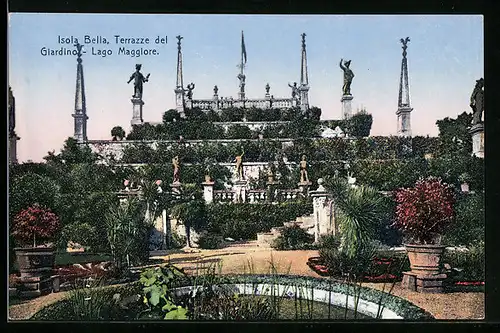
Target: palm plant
x=127, y=231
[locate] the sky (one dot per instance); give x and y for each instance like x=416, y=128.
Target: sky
x=445, y=57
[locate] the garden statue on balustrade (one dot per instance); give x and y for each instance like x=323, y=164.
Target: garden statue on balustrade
x=139, y=79
x=239, y=167
x=176, y=165
x=348, y=76
x=477, y=102
x=304, y=178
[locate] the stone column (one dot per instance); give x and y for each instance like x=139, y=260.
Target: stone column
x=137, y=105
x=304, y=187
x=13, y=148
x=176, y=188
x=346, y=106
x=477, y=132
x=319, y=197
x=271, y=188
x=208, y=190
x=240, y=187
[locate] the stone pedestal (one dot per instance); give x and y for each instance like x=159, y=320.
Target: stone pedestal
x=240, y=187
x=35, y=286
x=346, y=106
x=176, y=188
x=137, y=105
x=404, y=123
x=319, y=197
x=208, y=191
x=271, y=189
x=13, y=148
x=423, y=283
x=477, y=132
x=304, y=187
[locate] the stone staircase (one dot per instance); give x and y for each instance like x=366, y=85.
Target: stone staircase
x=265, y=239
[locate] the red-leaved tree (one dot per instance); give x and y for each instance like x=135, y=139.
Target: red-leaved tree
x=34, y=224
x=424, y=211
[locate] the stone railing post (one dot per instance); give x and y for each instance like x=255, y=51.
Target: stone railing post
x=208, y=190
x=320, y=213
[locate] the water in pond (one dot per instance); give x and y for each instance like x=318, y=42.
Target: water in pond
x=291, y=309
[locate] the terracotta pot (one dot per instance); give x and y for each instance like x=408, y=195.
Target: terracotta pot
x=35, y=261
x=425, y=259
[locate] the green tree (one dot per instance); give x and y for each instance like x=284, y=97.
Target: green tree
x=118, y=133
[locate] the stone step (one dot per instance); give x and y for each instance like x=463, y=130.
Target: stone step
x=292, y=223
x=277, y=230
x=264, y=239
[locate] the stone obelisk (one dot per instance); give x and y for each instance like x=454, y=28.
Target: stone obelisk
x=404, y=108
x=12, y=125
x=80, y=114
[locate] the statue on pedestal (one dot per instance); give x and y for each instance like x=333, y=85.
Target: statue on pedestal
x=139, y=79
x=239, y=166
x=303, y=170
x=267, y=88
x=216, y=90
x=176, y=165
x=348, y=76
x=477, y=102
x=294, y=89
x=190, y=88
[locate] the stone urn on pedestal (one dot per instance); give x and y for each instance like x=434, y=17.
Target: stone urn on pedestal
x=33, y=228
x=423, y=213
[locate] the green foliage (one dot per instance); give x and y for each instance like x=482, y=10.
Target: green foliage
x=85, y=234
x=127, y=233
x=342, y=262
x=292, y=238
x=156, y=284
x=468, y=227
x=454, y=135
x=359, y=125
x=360, y=213
x=87, y=302
x=238, y=132
x=117, y=132
x=32, y=188
x=246, y=220
x=210, y=241
x=468, y=265
x=171, y=115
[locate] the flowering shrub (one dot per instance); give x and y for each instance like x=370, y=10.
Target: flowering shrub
x=35, y=223
x=425, y=210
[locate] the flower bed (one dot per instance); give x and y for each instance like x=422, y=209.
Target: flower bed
x=382, y=264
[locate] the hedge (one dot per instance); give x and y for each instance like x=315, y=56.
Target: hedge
x=245, y=220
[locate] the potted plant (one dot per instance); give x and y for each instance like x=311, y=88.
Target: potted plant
x=422, y=214
x=33, y=228
x=464, y=180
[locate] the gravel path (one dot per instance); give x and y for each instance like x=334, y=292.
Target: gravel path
x=248, y=257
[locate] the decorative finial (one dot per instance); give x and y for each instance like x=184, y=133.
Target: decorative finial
x=179, y=37
x=303, y=39
x=79, y=51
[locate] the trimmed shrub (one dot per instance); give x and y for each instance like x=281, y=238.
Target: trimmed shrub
x=292, y=238
x=244, y=221
x=210, y=241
